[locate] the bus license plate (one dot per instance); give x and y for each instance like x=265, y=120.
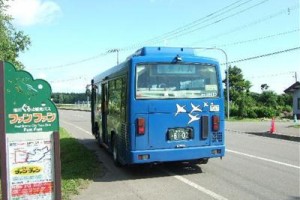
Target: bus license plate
x=179, y=134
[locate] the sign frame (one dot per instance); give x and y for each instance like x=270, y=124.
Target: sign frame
x=53, y=153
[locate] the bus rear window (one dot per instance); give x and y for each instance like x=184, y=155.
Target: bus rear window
x=161, y=81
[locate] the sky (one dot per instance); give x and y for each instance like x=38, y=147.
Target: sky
x=70, y=39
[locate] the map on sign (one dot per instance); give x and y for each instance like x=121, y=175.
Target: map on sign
x=22, y=156
x=29, y=151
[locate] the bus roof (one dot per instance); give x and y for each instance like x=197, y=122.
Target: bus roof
x=145, y=51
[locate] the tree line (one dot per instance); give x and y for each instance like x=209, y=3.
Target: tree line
x=247, y=104
x=68, y=98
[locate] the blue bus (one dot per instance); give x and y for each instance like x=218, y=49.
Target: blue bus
x=162, y=104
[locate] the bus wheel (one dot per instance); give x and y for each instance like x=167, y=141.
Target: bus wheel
x=115, y=151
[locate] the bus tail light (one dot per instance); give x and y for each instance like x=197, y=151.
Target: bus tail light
x=215, y=123
x=140, y=126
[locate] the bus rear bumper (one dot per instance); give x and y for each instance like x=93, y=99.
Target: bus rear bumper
x=180, y=154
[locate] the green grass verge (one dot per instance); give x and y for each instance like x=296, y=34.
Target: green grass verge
x=79, y=166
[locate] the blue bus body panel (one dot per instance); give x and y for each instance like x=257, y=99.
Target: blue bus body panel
x=170, y=155
x=162, y=114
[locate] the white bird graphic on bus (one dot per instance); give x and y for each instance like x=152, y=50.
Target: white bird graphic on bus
x=180, y=109
x=193, y=118
x=195, y=108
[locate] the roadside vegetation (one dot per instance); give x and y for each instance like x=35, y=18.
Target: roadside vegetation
x=12, y=41
x=247, y=104
x=68, y=98
x=79, y=166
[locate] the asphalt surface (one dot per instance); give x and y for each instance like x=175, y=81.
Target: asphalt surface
x=254, y=167
x=281, y=129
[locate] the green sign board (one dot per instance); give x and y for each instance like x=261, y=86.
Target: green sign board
x=29, y=125
x=27, y=103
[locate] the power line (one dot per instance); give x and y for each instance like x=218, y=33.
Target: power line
x=269, y=17
x=168, y=35
x=189, y=29
x=263, y=55
x=206, y=18
x=76, y=62
x=259, y=38
x=69, y=80
x=217, y=21
x=271, y=75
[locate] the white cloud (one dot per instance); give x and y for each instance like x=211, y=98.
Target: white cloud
x=31, y=12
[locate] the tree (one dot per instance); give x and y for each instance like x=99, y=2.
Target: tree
x=239, y=91
x=268, y=99
x=12, y=42
x=264, y=87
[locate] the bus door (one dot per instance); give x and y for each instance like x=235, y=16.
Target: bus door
x=104, y=112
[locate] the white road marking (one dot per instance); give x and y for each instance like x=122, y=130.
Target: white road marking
x=196, y=186
x=85, y=131
x=264, y=159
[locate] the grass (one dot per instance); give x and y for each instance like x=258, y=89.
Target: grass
x=79, y=166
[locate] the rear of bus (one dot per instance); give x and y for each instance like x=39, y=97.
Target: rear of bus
x=176, y=107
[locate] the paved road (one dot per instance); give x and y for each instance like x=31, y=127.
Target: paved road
x=254, y=168
x=283, y=128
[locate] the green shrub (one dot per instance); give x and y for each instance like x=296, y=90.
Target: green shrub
x=264, y=111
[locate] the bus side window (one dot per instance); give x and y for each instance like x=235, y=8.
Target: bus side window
x=105, y=99
x=98, y=98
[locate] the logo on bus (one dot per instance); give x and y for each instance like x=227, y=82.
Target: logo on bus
x=196, y=108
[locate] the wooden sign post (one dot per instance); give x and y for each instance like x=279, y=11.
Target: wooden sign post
x=29, y=137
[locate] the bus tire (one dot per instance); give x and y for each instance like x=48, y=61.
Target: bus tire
x=115, y=152
x=96, y=130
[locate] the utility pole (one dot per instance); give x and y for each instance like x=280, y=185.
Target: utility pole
x=296, y=77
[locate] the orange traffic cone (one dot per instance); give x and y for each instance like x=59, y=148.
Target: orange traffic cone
x=273, y=129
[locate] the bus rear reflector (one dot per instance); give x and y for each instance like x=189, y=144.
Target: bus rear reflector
x=140, y=126
x=144, y=157
x=216, y=151
x=215, y=123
